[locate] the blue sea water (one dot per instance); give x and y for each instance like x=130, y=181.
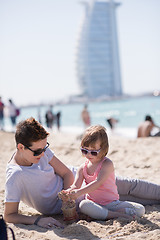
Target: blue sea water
x=130, y=112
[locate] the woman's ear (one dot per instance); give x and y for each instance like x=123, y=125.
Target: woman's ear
x=20, y=146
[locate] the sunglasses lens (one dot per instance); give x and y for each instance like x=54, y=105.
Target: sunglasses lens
x=37, y=153
x=94, y=153
x=84, y=151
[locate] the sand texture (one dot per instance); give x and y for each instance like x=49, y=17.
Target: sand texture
x=138, y=158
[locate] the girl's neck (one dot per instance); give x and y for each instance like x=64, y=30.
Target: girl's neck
x=95, y=162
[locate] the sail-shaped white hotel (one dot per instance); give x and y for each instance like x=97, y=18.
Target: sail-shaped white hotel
x=97, y=58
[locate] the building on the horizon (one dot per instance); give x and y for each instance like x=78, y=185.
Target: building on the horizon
x=97, y=58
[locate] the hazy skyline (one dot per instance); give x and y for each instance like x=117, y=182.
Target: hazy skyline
x=38, y=44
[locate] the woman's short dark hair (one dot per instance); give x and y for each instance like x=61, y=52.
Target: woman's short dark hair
x=29, y=131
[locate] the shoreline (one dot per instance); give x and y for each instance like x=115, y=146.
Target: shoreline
x=75, y=130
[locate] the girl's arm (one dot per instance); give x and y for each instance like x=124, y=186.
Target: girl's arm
x=77, y=182
x=63, y=171
x=78, y=179
x=106, y=170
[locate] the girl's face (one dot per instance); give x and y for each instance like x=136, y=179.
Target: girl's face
x=92, y=153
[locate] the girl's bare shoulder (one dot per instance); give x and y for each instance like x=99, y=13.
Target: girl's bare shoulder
x=107, y=162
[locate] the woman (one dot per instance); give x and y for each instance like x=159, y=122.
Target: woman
x=35, y=176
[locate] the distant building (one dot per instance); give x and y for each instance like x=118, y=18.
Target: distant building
x=98, y=68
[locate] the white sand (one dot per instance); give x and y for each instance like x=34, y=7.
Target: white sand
x=138, y=158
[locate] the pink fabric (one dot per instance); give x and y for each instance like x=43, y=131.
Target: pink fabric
x=107, y=192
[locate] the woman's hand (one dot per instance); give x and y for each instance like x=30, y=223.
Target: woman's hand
x=49, y=222
x=64, y=195
x=68, y=195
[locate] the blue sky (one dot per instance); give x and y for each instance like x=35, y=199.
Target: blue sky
x=38, y=41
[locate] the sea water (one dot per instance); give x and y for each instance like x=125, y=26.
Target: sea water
x=129, y=112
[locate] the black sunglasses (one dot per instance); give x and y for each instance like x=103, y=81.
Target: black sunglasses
x=38, y=151
x=92, y=152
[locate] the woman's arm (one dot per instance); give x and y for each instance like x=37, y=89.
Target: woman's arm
x=11, y=215
x=63, y=171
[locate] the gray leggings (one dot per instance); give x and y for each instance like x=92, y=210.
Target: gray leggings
x=100, y=212
x=139, y=191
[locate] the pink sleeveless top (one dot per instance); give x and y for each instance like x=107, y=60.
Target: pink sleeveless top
x=107, y=192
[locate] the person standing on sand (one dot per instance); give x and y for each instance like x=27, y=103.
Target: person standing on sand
x=85, y=116
x=145, y=128
x=12, y=112
x=58, y=120
x=1, y=114
x=49, y=116
x=35, y=176
x=100, y=190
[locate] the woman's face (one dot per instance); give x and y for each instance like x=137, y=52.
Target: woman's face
x=33, y=154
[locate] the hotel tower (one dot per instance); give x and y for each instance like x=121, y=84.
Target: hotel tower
x=97, y=58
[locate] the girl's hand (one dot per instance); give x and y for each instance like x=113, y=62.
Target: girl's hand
x=73, y=194
x=69, y=194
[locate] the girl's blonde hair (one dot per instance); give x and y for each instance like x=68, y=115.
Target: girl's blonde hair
x=92, y=135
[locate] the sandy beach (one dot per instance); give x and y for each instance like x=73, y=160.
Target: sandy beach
x=137, y=158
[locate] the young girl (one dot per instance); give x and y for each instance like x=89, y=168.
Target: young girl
x=100, y=190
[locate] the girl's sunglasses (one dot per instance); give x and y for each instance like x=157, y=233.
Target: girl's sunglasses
x=92, y=152
x=38, y=151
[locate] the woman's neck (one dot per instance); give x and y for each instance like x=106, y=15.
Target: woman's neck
x=19, y=160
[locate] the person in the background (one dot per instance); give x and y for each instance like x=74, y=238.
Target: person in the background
x=1, y=114
x=49, y=118
x=112, y=122
x=85, y=116
x=12, y=112
x=146, y=127
x=58, y=118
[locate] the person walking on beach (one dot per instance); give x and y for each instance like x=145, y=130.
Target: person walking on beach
x=49, y=118
x=101, y=194
x=1, y=114
x=12, y=112
x=146, y=127
x=58, y=120
x=85, y=116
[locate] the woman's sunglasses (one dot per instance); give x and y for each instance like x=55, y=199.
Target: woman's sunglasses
x=92, y=152
x=38, y=151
